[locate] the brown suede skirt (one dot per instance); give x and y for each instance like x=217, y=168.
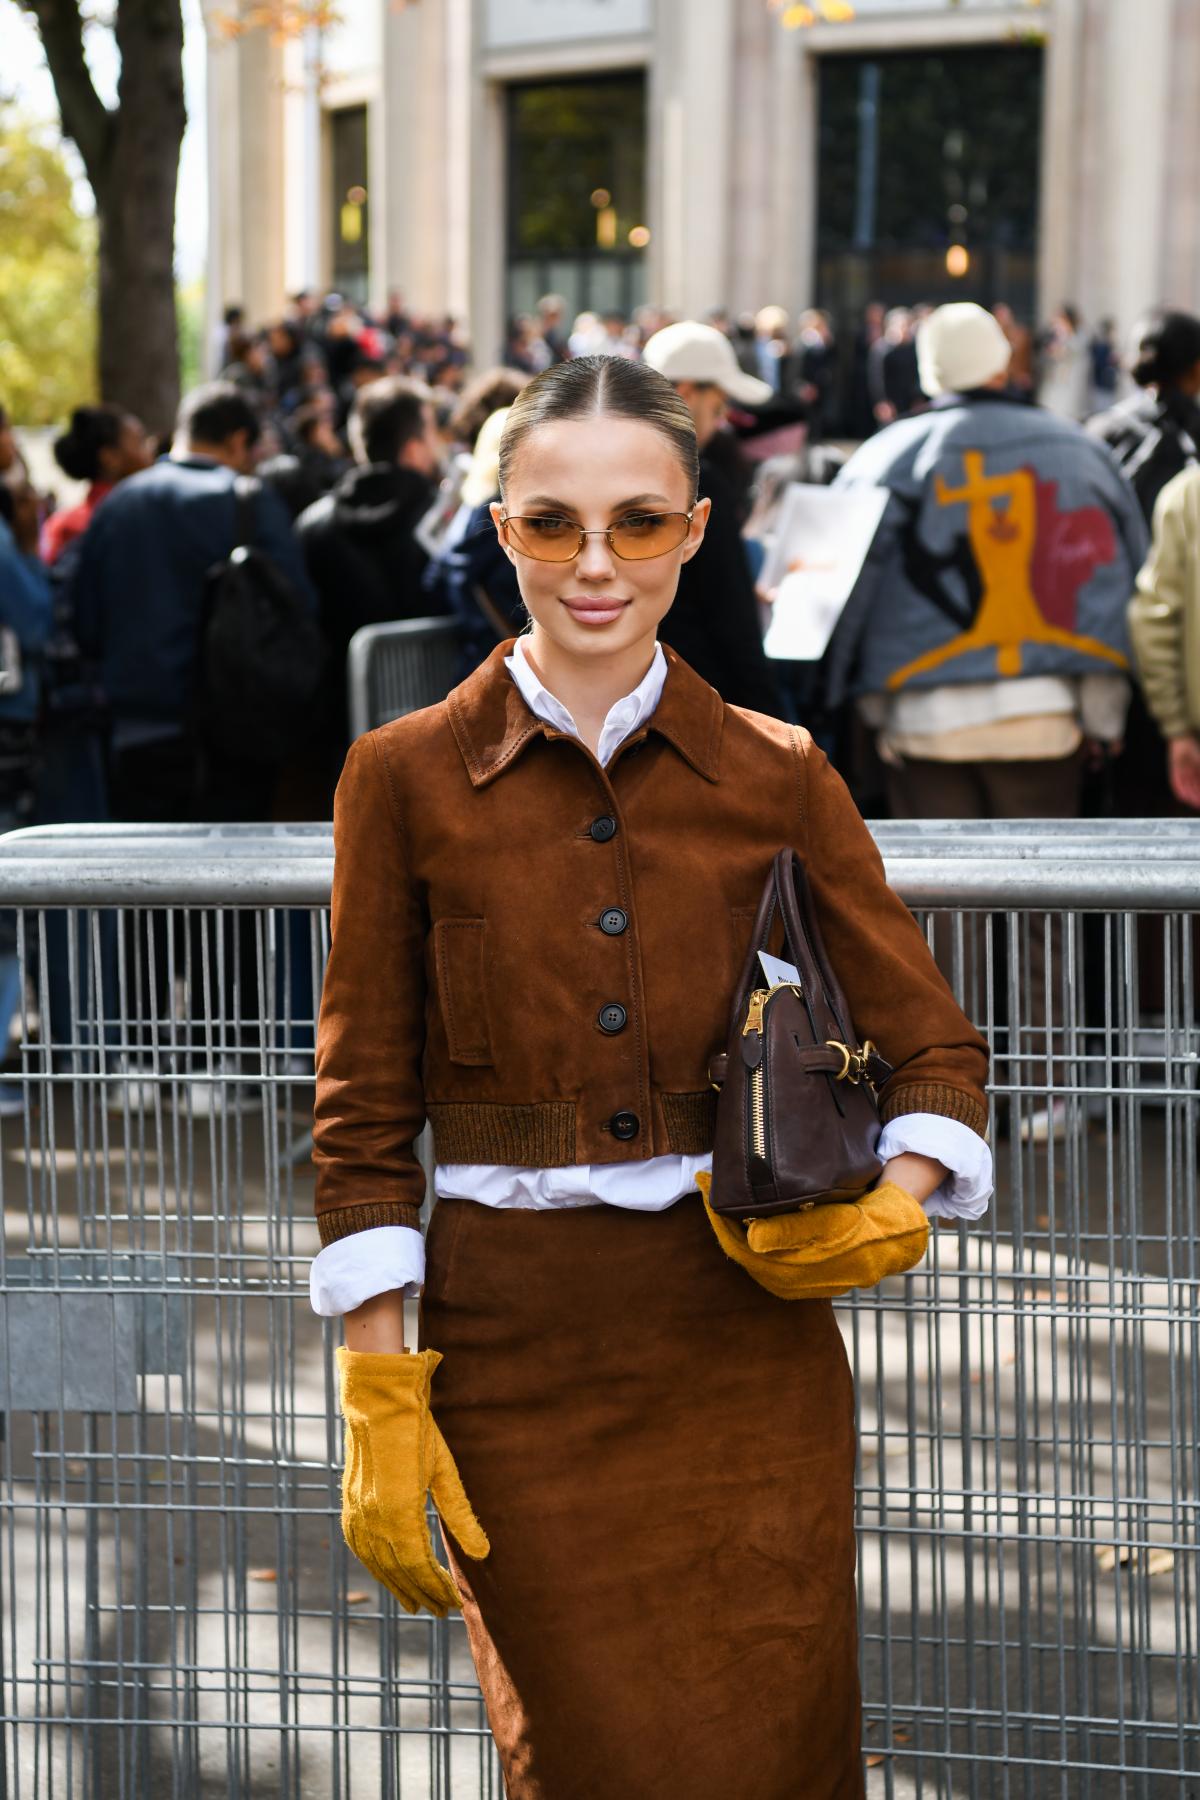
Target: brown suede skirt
x=662, y=1455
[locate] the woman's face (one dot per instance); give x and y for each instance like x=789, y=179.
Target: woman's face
x=131, y=453
x=596, y=472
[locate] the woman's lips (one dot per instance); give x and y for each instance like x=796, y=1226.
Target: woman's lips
x=594, y=612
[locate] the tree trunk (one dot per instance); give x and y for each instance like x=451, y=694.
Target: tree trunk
x=135, y=203
x=131, y=156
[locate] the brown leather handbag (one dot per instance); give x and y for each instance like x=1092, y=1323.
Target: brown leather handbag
x=797, y=1117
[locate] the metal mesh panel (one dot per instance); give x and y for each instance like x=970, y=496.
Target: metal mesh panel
x=179, y=1614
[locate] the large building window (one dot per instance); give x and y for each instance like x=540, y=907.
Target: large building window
x=351, y=218
x=576, y=193
x=927, y=179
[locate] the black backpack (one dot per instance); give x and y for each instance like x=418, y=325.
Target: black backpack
x=262, y=654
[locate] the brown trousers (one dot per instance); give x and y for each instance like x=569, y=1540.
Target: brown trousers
x=920, y=788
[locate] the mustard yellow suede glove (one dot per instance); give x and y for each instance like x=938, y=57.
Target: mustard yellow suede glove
x=395, y=1454
x=828, y=1250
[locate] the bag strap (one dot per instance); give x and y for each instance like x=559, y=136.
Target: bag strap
x=804, y=934
x=246, y=489
x=759, y=939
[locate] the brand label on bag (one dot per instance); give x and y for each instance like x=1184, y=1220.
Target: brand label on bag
x=776, y=970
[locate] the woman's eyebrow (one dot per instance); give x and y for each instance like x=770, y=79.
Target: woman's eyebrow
x=564, y=506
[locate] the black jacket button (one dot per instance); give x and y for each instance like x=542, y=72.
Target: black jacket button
x=603, y=828
x=625, y=1125
x=612, y=1017
x=613, y=921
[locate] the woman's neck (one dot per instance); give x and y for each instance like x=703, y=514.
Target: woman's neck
x=588, y=686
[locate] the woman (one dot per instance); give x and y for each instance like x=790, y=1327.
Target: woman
x=102, y=447
x=543, y=894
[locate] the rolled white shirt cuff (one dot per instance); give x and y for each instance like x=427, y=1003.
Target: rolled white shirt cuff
x=968, y=1187
x=356, y=1268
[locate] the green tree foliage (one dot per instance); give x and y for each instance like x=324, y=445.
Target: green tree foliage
x=47, y=279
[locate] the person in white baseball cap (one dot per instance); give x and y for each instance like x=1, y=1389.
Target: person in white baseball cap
x=714, y=622
x=699, y=362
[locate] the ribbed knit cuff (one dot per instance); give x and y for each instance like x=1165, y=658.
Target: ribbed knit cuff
x=933, y=1097
x=344, y=1221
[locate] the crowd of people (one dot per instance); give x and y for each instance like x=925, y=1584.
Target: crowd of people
x=364, y=453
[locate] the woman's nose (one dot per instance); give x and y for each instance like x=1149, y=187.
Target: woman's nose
x=595, y=560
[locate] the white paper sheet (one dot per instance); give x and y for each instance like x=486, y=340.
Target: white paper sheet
x=820, y=546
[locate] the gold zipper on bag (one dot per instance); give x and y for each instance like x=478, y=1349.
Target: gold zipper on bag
x=758, y=1086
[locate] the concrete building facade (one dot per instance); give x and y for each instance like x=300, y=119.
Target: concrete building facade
x=694, y=152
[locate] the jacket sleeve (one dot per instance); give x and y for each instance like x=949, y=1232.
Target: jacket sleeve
x=370, y=1103
x=1157, y=612
x=896, y=994
x=25, y=604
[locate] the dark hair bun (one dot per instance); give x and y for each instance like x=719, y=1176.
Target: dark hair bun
x=93, y=429
x=1168, y=345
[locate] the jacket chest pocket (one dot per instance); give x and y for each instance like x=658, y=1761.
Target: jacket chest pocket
x=459, y=956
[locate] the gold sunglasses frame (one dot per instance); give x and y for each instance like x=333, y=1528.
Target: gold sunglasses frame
x=507, y=519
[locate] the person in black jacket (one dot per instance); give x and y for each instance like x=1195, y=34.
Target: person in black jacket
x=1156, y=433
x=359, y=540
x=714, y=623
x=1152, y=435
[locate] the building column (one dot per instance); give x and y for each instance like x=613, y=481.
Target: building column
x=259, y=148
x=696, y=196
x=1140, y=49
x=1181, y=251
x=1058, y=271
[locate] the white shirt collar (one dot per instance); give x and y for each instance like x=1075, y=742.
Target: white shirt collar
x=624, y=716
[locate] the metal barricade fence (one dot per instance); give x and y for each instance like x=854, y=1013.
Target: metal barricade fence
x=398, y=667
x=179, y=1614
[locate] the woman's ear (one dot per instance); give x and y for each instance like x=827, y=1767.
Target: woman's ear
x=695, y=536
x=497, y=511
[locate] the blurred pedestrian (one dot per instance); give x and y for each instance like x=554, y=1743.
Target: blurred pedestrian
x=1064, y=367
x=714, y=621
x=1105, y=364
x=1155, y=433
x=139, y=597
x=472, y=578
x=986, y=641
x=1164, y=619
x=1020, y=343
x=817, y=367
x=360, y=543
x=893, y=381
x=25, y=620
x=102, y=446
x=989, y=629
x=551, y=318
x=774, y=364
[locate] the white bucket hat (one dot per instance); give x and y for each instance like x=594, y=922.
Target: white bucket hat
x=690, y=351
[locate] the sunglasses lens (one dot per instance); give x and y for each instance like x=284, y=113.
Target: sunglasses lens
x=550, y=540
x=649, y=534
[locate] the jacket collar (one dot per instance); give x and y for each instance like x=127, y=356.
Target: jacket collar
x=492, y=724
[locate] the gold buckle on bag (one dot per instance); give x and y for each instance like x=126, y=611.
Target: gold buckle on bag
x=854, y=1062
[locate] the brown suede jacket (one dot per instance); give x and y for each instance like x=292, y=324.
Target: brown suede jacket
x=539, y=954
